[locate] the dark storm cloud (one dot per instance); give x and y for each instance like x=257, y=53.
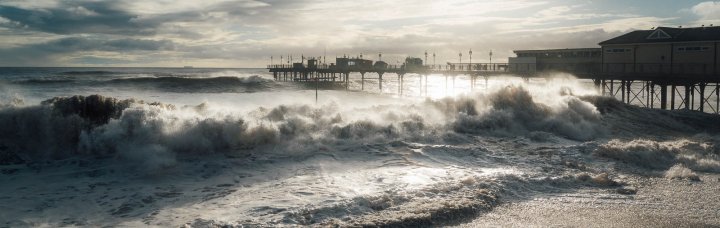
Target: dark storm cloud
x=77, y=44
x=74, y=17
x=45, y=53
x=125, y=27
x=115, y=17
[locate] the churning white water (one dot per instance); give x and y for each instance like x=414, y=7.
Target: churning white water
x=214, y=147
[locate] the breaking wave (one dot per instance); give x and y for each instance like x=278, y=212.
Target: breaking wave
x=701, y=155
x=513, y=110
x=156, y=133
x=491, y=128
x=431, y=206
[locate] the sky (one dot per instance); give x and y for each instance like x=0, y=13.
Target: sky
x=246, y=33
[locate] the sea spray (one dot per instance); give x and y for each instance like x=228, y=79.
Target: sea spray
x=681, y=172
x=103, y=126
x=513, y=111
x=662, y=155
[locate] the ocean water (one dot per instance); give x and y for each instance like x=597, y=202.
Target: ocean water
x=213, y=147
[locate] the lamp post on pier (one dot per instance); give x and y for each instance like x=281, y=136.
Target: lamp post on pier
x=470, y=60
x=426, y=62
x=493, y=67
x=433, y=58
x=490, y=56
x=460, y=60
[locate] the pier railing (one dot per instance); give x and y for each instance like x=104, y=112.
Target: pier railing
x=459, y=67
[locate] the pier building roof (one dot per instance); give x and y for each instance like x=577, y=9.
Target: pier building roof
x=667, y=35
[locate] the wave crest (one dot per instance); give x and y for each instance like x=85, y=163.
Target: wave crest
x=512, y=110
x=662, y=155
x=103, y=126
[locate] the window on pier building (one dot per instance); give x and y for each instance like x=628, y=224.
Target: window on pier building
x=617, y=50
x=692, y=49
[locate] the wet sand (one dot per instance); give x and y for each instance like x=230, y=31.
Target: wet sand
x=659, y=202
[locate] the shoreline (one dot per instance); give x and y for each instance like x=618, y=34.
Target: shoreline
x=659, y=202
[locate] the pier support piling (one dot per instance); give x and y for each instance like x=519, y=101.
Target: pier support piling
x=663, y=97
x=380, y=74
x=362, y=81
x=627, y=84
x=672, y=97
x=701, y=91
x=400, y=84
x=622, y=91
x=686, y=99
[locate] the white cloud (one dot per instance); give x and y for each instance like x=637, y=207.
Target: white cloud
x=707, y=10
x=82, y=11
x=32, y=4
x=246, y=32
x=175, y=6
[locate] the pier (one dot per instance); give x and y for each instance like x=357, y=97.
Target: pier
x=666, y=68
x=663, y=86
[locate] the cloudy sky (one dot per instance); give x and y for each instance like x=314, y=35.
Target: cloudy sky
x=245, y=33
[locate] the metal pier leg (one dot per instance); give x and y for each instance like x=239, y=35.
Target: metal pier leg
x=687, y=97
x=472, y=82
x=652, y=95
x=622, y=88
x=400, y=84
x=692, y=97
x=362, y=81
x=628, y=83
x=647, y=95
x=702, y=96
x=672, y=97
x=663, y=97
x=380, y=81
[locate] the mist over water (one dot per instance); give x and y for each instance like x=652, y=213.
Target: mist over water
x=233, y=146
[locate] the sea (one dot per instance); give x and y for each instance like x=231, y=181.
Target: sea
x=211, y=147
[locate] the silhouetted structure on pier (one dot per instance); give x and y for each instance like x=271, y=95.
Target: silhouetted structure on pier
x=564, y=60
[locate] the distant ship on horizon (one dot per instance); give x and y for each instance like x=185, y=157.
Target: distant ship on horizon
x=188, y=67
